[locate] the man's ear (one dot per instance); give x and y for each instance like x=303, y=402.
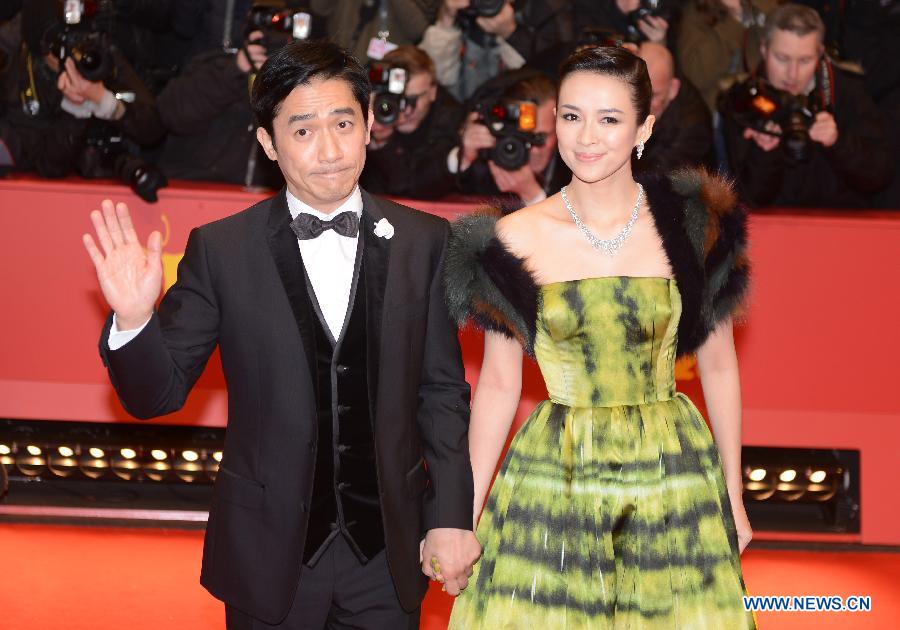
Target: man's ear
x=674, y=87
x=267, y=143
x=370, y=120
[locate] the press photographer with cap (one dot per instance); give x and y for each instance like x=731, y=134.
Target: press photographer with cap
x=414, y=130
x=821, y=140
x=508, y=141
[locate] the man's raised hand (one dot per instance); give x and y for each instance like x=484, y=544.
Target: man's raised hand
x=130, y=276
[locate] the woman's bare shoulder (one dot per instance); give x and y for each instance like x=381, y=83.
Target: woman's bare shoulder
x=521, y=231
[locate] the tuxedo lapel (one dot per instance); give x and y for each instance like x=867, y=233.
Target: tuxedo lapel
x=286, y=253
x=376, y=260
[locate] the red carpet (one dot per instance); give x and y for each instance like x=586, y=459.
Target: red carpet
x=91, y=578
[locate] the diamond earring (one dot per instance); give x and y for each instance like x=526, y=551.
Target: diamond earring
x=640, y=150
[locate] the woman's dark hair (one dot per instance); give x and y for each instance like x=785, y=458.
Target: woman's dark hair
x=617, y=62
x=297, y=64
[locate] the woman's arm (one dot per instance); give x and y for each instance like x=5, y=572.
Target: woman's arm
x=717, y=363
x=493, y=409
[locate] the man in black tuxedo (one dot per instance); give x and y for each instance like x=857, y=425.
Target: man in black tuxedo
x=346, y=466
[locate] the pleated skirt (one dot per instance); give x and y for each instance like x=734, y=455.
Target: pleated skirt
x=607, y=518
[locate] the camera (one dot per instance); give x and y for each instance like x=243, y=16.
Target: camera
x=484, y=8
x=756, y=102
x=79, y=38
x=388, y=86
x=279, y=26
x=592, y=37
x=108, y=154
x=513, y=124
x=651, y=8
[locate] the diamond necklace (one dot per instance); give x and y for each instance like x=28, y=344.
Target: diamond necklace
x=611, y=246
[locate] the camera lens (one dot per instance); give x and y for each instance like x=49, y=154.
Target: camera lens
x=144, y=179
x=486, y=8
x=511, y=153
x=386, y=109
x=796, y=138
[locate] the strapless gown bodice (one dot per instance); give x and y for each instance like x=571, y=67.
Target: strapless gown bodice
x=608, y=341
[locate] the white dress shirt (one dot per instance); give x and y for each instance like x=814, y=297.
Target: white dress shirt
x=329, y=260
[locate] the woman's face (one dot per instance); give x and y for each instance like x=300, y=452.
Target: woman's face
x=596, y=125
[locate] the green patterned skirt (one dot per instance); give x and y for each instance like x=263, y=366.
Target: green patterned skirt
x=608, y=518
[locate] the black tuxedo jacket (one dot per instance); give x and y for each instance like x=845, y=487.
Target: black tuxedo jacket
x=238, y=287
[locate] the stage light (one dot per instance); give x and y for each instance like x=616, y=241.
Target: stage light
x=93, y=463
x=62, y=462
x=125, y=465
x=6, y=457
x=787, y=476
x=757, y=474
x=759, y=485
x=31, y=462
x=211, y=463
x=817, y=476
x=187, y=467
x=157, y=467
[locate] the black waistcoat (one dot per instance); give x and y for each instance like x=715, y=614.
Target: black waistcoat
x=345, y=497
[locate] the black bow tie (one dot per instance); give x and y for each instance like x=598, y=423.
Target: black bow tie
x=307, y=226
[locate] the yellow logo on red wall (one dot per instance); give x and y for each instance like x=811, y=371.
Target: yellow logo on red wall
x=169, y=260
x=686, y=368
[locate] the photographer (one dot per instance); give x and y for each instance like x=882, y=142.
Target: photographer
x=819, y=139
x=633, y=19
x=719, y=41
x=413, y=133
x=206, y=110
x=496, y=155
x=682, y=135
x=358, y=24
x=88, y=113
x=473, y=41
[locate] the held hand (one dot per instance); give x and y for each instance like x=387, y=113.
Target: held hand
x=521, y=182
x=764, y=141
x=257, y=53
x=824, y=129
x=130, y=278
x=741, y=522
x=76, y=88
x=654, y=28
x=475, y=137
x=448, y=556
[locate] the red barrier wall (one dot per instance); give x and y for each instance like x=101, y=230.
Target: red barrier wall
x=818, y=350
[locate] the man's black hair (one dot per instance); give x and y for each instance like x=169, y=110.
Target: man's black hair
x=297, y=64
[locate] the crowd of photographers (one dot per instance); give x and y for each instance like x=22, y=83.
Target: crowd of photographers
x=799, y=102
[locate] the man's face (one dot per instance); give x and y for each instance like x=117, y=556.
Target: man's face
x=320, y=142
x=540, y=156
x=791, y=60
x=424, y=91
x=665, y=86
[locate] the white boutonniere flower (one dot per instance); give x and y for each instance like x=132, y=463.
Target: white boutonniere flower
x=384, y=229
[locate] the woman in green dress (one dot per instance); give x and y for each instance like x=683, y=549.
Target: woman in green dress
x=614, y=507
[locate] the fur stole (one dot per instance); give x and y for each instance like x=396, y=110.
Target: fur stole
x=703, y=231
